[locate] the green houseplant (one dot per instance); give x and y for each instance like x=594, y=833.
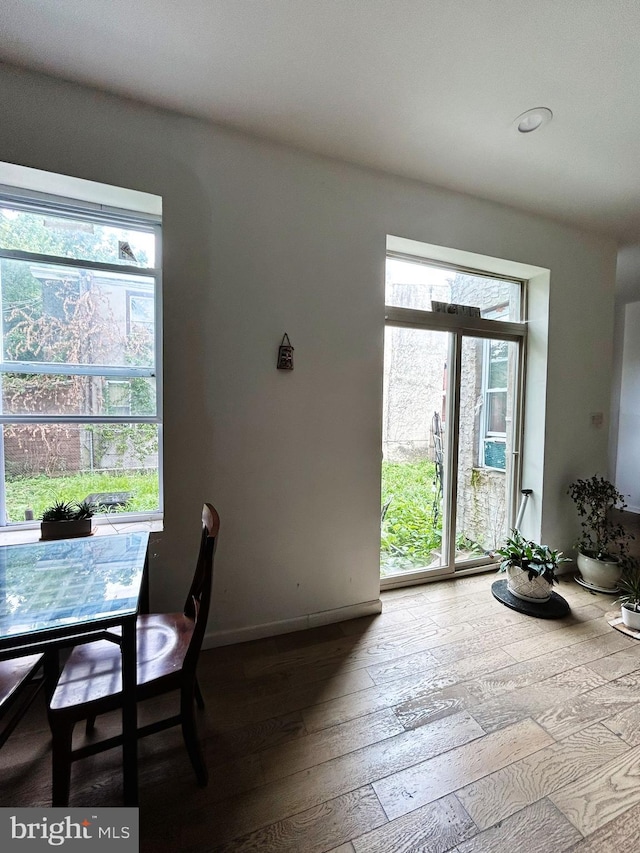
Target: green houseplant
x=603, y=541
x=629, y=586
x=530, y=567
x=66, y=520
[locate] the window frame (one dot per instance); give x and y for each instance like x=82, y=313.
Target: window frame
x=64, y=208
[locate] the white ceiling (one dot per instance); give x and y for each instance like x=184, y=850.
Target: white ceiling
x=427, y=89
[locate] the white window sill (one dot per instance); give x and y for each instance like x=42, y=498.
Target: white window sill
x=101, y=527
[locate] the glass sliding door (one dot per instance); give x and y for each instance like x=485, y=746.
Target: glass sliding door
x=414, y=451
x=485, y=464
x=450, y=462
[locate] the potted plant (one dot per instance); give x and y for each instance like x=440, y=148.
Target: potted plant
x=629, y=586
x=531, y=568
x=66, y=520
x=602, y=545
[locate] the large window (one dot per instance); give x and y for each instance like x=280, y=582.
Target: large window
x=79, y=356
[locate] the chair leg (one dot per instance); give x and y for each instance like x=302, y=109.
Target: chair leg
x=190, y=735
x=198, y=695
x=90, y=724
x=62, y=734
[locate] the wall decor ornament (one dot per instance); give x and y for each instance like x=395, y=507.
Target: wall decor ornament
x=285, y=354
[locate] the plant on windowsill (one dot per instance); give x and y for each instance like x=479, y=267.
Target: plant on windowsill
x=66, y=520
x=603, y=542
x=629, y=586
x=531, y=568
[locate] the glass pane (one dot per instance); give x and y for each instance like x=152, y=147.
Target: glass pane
x=45, y=394
x=498, y=374
x=499, y=350
x=64, y=237
x=495, y=453
x=413, y=450
x=49, y=462
x=411, y=284
x=484, y=461
x=65, y=315
x=496, y=403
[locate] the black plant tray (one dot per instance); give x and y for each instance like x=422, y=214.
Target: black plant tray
x=555, y=608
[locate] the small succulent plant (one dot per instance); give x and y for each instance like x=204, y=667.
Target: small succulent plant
x=67, y=511
x=85, y=509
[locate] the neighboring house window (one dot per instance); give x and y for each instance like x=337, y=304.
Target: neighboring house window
x=118, y=397
x=495, y=373
x=140, y=313
x=81, y=414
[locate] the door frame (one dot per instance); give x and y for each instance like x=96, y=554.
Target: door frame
x=461, y=327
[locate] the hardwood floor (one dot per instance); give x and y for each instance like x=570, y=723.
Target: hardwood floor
x=447, y=723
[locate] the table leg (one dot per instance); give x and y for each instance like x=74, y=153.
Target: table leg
x=143, y=599
x=129, y=714
x=51, y=670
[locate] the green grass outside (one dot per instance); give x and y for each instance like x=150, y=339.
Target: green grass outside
x=408, y=534
x=41, y=491
x=409, y=537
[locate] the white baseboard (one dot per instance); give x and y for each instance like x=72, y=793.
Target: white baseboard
x=635, y=509
x=286, y=626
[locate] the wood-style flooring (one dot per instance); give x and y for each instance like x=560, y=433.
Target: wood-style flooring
x=447, y=723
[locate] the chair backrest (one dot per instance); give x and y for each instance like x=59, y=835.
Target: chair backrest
x=199, y=598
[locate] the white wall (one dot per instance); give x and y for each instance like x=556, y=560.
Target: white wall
x=258, y=240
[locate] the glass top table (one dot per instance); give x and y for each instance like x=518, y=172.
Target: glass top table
x=61, y=592
x=63, y=586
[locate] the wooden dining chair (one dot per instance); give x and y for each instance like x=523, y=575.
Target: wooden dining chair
x=168, y=646
x=19, y=685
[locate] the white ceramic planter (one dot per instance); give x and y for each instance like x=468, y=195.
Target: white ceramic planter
x=600, y=574
x=630, y=618
x=518, y=584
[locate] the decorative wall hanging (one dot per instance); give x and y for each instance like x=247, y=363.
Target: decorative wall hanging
x=285, y=354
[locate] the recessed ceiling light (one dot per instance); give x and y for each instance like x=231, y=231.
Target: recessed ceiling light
x=533, y=119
